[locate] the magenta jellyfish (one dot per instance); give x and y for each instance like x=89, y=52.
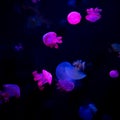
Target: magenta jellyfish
x=12, y=90
x=65, y=85
x=93, y=14
x=114, y=74
x=42, y=78
x=74, y=18
x=51, y=40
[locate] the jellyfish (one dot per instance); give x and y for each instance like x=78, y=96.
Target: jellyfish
x=65, y=85
x=74, y=18
x=42, y=78
x=65, y=71
x=87, y=112
x=79, y=65
x=114, y=74
x=51, y=40
x=12, y=89
x=93, y=14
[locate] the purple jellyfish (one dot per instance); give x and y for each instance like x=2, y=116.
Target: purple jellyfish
x=51, y=40
x=74, y=18
x=93, y=14
x=114, y=74
x=12, y=89
x=42, y=78
x=65, y=85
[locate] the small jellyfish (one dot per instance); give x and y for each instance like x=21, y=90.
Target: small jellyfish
x=79, y=65
x=93, y=14
x=42, y=78
x=87, y=112
x=12, y=89
x=51, y=40
x=114, y=74
x=74, y=18
x=65, y=85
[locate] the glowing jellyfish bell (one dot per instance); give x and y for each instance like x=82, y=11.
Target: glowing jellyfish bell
x=51, y=40
x=114, y=74
x=93, y=14
x=74, y=18
x=42, y=78
x=65, y=71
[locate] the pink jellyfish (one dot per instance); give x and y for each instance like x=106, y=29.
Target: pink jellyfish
x=93, y=14
x=42, y=78
x=74, y=18
x=51, y=40
x=114, y=74
x=65, y=85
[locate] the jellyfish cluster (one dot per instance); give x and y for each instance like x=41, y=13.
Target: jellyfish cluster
x=66, y=75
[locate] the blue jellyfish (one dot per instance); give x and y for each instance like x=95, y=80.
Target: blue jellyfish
x=66, y=71
x=87, y=112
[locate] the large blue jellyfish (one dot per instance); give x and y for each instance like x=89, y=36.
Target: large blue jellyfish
x=66, y=71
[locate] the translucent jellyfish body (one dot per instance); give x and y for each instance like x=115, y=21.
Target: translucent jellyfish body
x=74, y=18
x=114, y=74
x=42, y=78
x=12, y=89
x=51, y=40
x=87, y=112
x=65, y=85
x=65, y=71
x=79, y=65
x=93, y=14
